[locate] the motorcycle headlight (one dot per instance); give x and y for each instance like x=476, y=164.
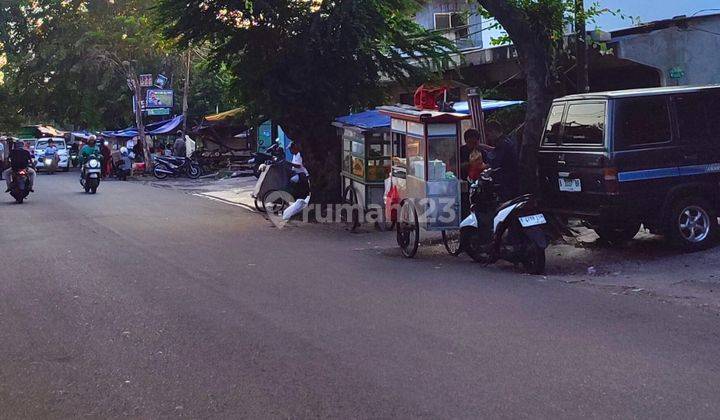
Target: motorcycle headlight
x=94, y=163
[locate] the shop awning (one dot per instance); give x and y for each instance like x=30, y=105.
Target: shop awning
x=366, y=120
x=487, y=105
x=233, y=114
x=373, y=119
x=166, y=128
x=154, y=129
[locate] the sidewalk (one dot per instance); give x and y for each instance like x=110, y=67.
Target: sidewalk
x=236, y=191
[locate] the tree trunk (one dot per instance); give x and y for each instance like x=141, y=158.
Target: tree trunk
x=540, y=94
x=321, y=155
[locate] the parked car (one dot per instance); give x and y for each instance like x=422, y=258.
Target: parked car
x=64, y=159
x=625, y=158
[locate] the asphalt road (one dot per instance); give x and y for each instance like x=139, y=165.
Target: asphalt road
x=151, y=303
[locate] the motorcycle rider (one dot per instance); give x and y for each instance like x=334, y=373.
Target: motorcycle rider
x=19, y=159
x=88, y=150
x=51, y=152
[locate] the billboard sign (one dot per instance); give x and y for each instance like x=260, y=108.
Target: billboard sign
x=158, y=111
x=160, y=81
x=146, y=80
x=159, y=98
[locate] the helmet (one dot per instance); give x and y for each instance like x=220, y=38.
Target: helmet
x=91, y=140
x=123, y=150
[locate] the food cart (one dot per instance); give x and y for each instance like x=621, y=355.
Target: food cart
x=366, y=158
x=425, y=170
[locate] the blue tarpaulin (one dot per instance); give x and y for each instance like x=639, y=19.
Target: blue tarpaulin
x=154, y=129
x=368, y=120
x=487, y=105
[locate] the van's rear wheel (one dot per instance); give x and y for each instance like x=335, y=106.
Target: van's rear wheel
x=617, y=234
x=693, y=224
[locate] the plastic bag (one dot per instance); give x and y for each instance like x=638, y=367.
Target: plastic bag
x=295, y=208
x=392, y=201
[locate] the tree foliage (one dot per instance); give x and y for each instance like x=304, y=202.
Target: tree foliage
x=54, y=73
x=302, y=63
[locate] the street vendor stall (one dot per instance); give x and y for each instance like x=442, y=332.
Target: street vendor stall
x=425, y=171
x=366, y=158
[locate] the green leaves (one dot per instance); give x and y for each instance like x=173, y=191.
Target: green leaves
x=308, y=61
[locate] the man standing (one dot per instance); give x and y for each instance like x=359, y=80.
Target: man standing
x=179, y=146
x=502, y=153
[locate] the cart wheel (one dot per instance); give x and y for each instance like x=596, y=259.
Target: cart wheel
x=408, y=229
x=351, y=199
x=451, y=240
x=259, y=205
x=275, y=202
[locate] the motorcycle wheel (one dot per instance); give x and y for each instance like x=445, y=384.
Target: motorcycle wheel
x=93, y=190
x=19, y=200
x=470, y=243
x=194, y=172
x=160, y=175
x=534, y=261
x=451, y=240
x=87, y=189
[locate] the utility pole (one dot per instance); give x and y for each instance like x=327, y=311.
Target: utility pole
x=581, y=48
x=134, y=85
x=187, y=90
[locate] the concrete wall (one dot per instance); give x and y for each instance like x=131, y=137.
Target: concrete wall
x=692, y=49
x=426, y=17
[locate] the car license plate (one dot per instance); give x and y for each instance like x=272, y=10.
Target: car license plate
x=570, y=185
x=533, y=220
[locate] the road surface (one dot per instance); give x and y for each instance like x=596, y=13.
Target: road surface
x=151, y=303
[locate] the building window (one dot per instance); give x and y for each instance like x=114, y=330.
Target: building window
x=447, y=21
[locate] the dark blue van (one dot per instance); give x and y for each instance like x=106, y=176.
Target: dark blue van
x=625, y=158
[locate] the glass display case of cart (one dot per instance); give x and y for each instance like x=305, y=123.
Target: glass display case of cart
x=426, y=163
x=366, y=155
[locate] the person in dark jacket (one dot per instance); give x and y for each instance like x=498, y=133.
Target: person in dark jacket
x=19, y=159
x=502, y=152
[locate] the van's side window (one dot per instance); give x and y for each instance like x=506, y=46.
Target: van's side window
x=696, y=117
x=552, y=131
x=640, y=121
x=585, y=124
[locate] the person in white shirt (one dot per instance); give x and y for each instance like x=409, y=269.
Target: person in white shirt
x=299, y=170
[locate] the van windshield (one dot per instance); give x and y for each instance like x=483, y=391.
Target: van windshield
x=584, y=124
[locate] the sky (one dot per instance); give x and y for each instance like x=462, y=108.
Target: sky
x=646, y=10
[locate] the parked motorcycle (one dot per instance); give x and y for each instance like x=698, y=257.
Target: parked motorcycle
x=174, y=166
x=19, y=185
x=272, y=154
x=516, y=231
x=91, y=174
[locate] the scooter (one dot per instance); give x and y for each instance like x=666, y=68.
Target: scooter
x=176, y=166
x=272, y=154
x=91, y=174
x=49, y=164
x=516, y=231
x=19, y=185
